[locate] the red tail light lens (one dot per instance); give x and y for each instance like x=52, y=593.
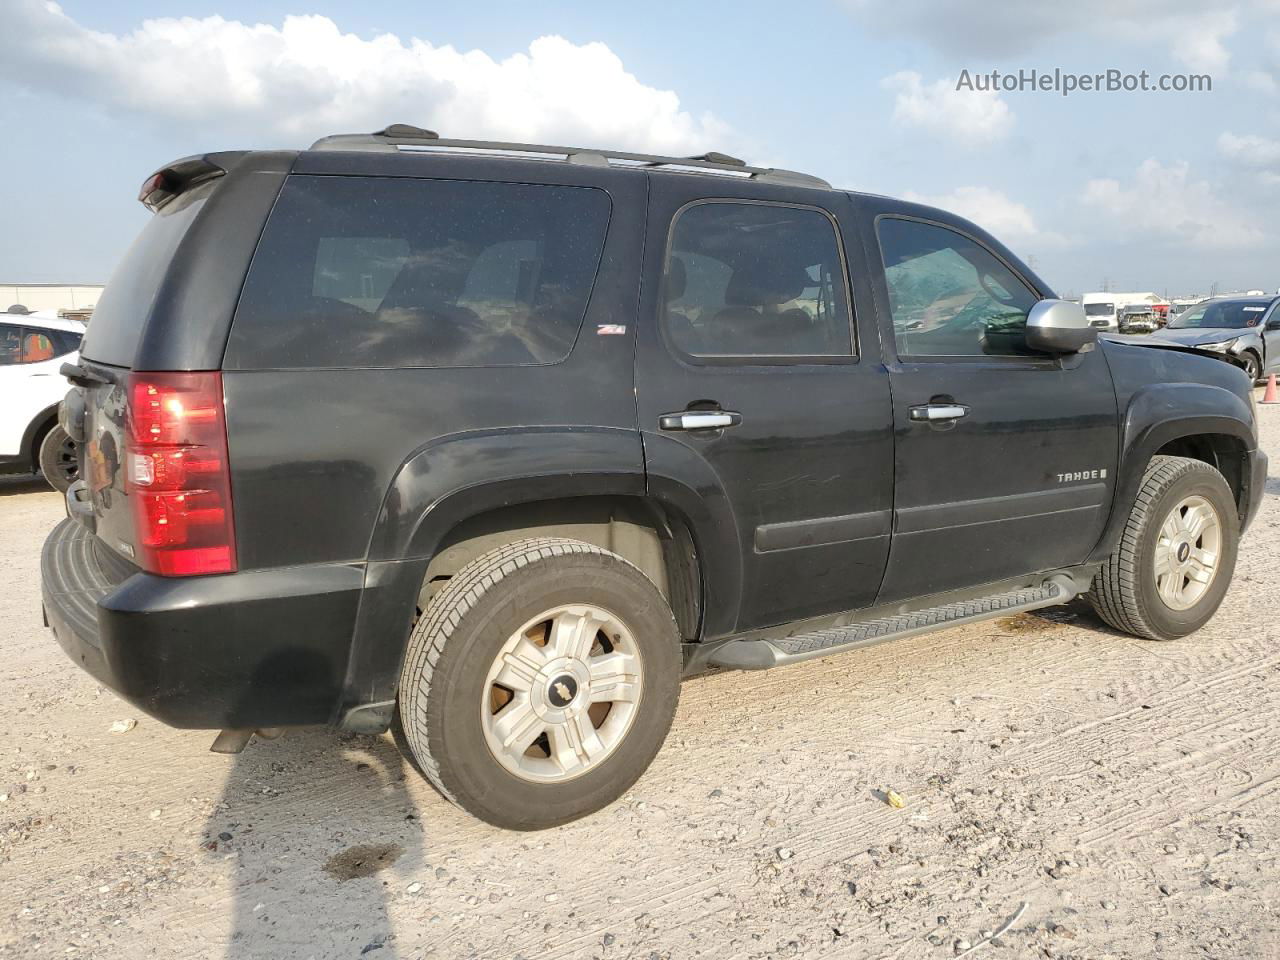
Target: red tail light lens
x=178, y=474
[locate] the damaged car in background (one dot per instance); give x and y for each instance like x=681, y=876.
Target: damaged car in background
x=1242, y=330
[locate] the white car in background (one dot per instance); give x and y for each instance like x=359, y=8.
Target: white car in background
x=33, y=346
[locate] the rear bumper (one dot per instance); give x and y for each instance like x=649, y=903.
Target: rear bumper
x=261, y=648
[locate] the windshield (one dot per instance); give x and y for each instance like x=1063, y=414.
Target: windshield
x=1221, y=315
x=1099, y=309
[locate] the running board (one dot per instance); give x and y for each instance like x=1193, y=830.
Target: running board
x=762, y=654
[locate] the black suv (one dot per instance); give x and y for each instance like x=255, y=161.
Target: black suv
x=492, y=444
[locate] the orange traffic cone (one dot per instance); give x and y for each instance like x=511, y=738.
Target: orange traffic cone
x=1270, y=395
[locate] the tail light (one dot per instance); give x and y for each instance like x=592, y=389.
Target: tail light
x=178, y=474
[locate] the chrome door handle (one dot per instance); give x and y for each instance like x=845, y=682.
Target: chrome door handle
x=934, y=412
x=699, y=420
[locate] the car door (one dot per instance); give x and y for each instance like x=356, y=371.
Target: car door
x=1270, y=334
x=14, y=383
x=1005, y=459
x=755, y=395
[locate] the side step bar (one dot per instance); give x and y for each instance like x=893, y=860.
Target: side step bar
x=762, y=654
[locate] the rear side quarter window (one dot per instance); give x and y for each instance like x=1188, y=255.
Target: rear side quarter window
x=125, y=304
x=390, y=272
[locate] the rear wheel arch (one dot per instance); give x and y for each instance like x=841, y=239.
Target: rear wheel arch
x=655, y=539
x=34, y=435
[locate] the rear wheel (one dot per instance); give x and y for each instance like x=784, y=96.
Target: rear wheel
x=540, y=683
x=1176, y=556
x=58, y=460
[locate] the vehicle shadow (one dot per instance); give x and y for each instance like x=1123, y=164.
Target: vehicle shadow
x=319, y=830
x=15, y=485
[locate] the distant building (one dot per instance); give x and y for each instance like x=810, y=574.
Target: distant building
x=75, y=300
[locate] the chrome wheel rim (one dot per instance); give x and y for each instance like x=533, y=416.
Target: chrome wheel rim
x=562, y=693
x=1187, y=552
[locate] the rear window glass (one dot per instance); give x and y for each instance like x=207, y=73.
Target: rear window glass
x=381, y=272
x=126, y=302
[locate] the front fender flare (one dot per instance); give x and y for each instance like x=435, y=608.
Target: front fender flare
x=1156, y=415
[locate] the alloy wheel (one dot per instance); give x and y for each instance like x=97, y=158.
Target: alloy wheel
x=562, y=693
x=1186, y=553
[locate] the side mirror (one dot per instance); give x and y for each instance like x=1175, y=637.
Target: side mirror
x=1056, y=326
x=1273, y=323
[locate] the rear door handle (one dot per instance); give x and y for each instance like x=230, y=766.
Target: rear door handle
x=934, y=412
x=699, y=420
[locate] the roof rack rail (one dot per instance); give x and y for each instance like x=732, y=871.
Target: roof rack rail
x=397, y=135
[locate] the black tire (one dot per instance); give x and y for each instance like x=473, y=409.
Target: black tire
x=57, y=459
x=1124, y=591
x=456, y=641
x=1252, y=366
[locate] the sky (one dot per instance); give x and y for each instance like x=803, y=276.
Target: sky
x=1168, y=191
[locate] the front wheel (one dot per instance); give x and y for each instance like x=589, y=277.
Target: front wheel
x=540, y=683
x=1252, y=367
x=1176, y=556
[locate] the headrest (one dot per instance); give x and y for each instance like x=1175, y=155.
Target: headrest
x=766, y=283
x=677, y=279
x=424, y=279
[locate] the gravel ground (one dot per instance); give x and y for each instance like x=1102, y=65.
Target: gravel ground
x=1127, y=792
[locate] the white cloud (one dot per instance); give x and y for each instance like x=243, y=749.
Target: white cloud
x=1163, y=201
x=966, y=116
x=306, y=78
x=1010, y=31
x=1259, y=80
x=1198, y=40
x=992, y=210
x=1250, y=149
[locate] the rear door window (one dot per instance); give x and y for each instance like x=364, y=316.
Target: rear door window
x=37, y=347
x=748, y=280
x=390, y=272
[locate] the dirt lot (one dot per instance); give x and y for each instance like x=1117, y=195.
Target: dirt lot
x=1128, y=792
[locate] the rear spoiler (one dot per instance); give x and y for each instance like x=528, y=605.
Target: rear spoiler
x=173, y=178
